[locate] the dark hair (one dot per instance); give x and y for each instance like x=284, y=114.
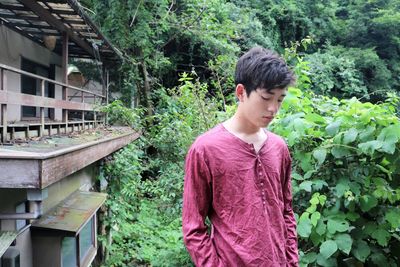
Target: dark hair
x=262, y=68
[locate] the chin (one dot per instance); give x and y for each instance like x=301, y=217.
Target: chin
x=265, y=124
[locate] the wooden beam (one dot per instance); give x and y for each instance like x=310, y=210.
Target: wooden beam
x=65, y=54
x=32, y=26
x=35, y=18
x=11, y=69
x=13, y=98
x=42, y=89
x=13, y=7
x=45, y=15
x=4, y=122
x=3, y=105
x=65, y=58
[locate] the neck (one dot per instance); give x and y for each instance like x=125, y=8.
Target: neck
x=240, y=125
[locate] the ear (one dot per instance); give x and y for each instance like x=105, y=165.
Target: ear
x=240, y=92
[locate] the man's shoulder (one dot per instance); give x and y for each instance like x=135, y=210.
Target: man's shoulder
x=278, y=143
x=277, y=139
x=209, y=139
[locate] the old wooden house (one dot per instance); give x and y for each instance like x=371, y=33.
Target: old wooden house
x=48, y=202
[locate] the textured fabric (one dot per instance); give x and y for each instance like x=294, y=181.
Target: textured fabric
x=247, y=197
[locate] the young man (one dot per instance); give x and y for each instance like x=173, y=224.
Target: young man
x=238, y=175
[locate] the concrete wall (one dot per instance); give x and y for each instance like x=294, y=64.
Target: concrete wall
x=10, y=198
x=13, y=47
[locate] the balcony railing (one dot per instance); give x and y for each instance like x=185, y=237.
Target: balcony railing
x=87, y=102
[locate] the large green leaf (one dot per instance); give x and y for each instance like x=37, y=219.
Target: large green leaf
x=321, y=227
x=344, y=242
x=337, y=225
x=341, y=187
x=368, y=202
x=382, y=236
x=393, y=217
x=361, y=250
x=304, y=227
x=370, y=147
x=328, y=248
x=333, y=128
x=350, y=136
x=306, y=185
x=315, y=217
x=320, y=155
x=309, y=257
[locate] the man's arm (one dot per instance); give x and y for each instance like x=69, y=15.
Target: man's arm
x=291, y=239
x=197, y=199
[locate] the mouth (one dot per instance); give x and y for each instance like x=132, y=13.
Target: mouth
x=268, y=117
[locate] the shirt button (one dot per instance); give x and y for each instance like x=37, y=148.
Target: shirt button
x=263, y=193
x=264, y=202
x=259, y=164
x=260, y=173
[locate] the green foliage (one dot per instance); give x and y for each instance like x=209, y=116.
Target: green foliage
x=345, y=177
x=145, y=204
x=336, y=75
x=346, y=170
x=118, y=114
x=348, y=72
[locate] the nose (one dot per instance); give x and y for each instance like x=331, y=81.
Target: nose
x=274, y=107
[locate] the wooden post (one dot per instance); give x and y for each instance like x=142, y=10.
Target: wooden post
x=27, y=134
x=83, y=111
x=94, y=112
x=65, y=78
x=105, y=91
x=4, y=122
x=41, y=131
x=3, y=107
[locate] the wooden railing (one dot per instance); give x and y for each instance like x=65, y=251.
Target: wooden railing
x=8, y=97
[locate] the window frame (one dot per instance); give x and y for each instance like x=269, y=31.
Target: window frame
x=91, y=252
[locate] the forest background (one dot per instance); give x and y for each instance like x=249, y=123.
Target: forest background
x=340, y=120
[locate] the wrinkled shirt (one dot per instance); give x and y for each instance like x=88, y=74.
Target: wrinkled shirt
x=247, y=197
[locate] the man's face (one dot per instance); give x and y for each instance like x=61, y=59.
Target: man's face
x=261, y=106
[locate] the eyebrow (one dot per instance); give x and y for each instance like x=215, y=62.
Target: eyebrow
x=272, y=93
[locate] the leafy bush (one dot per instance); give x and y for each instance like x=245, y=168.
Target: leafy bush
x=345, y=177
x=336, y=75
x=118, y=114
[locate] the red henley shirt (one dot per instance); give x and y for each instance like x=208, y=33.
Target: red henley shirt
x=247, y=197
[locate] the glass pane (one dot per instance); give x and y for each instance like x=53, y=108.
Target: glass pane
x=68, y=252
x=86, y=237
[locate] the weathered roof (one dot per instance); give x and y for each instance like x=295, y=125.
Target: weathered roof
x=73, y=213
x=38, y=19
x=6, y=238
x=43, y=164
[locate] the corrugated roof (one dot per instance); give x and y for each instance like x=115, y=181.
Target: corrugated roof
x=38, y=19
x=6, y=238
x=72, y=214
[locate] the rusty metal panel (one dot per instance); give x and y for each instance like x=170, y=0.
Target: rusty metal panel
x=19, y=173
x=6, y=238
x=72, y=213
x=58, y=167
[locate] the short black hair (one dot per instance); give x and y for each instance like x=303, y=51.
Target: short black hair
x=262, y=68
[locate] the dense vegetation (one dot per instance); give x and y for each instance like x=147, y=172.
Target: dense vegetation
x=179, y=59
